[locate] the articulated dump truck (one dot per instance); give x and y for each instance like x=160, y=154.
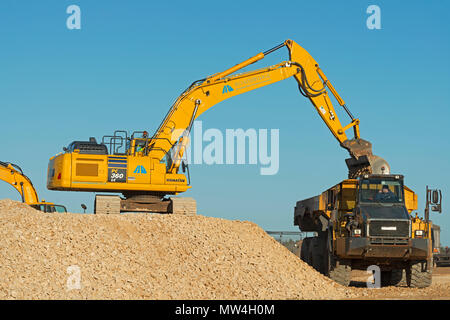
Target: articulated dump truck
x=369, y=221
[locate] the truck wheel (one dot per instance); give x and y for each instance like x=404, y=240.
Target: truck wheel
x=309, y=253
x=317, y=261
x=419, y=274
x=312, y=256
x=304, y=250
x=340, y=273
x=318, y=247
x=396, y=277
x=385, y=278
x=335, y=269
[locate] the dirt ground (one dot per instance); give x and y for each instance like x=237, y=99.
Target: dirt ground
x=439, y=290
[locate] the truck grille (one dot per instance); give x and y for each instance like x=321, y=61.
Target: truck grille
x=389, y=228
x=390, y=241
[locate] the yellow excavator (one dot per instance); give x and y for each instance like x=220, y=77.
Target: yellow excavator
x=13, y=174
x=145, y=170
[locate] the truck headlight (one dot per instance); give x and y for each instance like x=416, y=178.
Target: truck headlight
x=357, y=232
x=418, y=233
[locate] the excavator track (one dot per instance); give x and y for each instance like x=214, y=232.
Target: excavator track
x=184, y=206
x=144, y=203
x=107, y=204
x=112, y=204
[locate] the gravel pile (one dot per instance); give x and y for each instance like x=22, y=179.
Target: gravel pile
x=142, y=256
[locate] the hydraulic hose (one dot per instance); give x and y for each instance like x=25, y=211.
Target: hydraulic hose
x=304, y=86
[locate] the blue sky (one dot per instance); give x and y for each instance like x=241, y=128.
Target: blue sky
x=130, y=60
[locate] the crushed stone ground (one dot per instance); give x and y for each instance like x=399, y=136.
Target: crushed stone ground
x=143, y=256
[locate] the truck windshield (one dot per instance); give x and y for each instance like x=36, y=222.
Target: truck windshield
x=379, y=190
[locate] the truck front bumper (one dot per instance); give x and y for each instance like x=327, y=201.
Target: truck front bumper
x=373, y=248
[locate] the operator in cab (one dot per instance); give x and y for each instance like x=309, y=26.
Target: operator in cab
x=385, y=194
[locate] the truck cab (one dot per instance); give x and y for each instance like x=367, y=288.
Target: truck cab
x=380, y=226
x=365, y=222
x=380, y=211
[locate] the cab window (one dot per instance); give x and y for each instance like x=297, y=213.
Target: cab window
x=59, y=209
x=379, y=190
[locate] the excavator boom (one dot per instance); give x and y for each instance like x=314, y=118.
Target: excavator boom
x=13, y=174
x=312, y=82
x=147, y=169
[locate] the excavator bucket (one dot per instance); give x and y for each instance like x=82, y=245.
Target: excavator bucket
x=362, y=160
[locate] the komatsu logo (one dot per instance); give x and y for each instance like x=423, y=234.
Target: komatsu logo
x=140, y=169
x=227, y=88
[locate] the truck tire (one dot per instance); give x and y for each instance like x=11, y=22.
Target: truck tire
x=308, y=251
x=340, y=273
x=385, y=278
x=317, y=261
x=419, y=275
x=304, y=250
x=335, y=269
x=317, y=252
x=395, y=277
x=398, y=278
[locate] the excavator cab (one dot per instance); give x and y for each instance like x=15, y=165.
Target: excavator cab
x=49, y=207
x=138, y=146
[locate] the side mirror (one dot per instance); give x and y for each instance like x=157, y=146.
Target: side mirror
x=65, y=149
x=436, y=208
x=435, y=197
x=83, y=206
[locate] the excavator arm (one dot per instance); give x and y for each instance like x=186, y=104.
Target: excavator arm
x=13, y=174
x=313, y=84
x=149, y=168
